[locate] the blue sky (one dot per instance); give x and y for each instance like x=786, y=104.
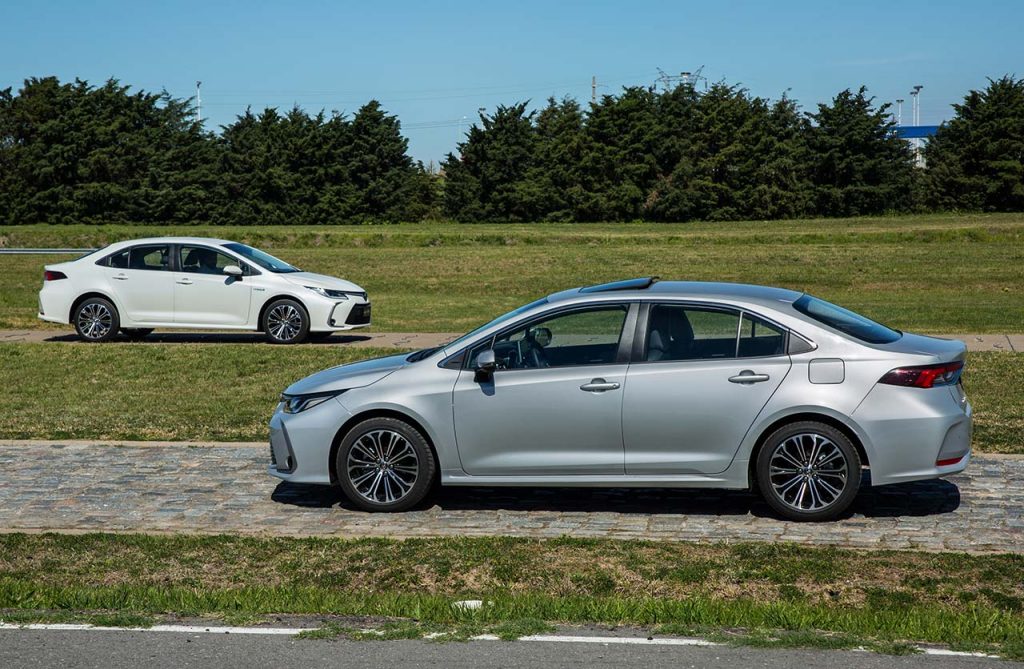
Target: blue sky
x=433, y=63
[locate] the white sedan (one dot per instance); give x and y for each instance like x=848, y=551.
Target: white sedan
x=196, y=283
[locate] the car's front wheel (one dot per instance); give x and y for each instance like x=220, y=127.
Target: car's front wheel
x=808, y=471
x=385, y=464
x=96, y=320
x=286, y=322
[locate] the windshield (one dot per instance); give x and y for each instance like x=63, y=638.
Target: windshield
x=419, y=355
x=264, y=260
x=846, y=321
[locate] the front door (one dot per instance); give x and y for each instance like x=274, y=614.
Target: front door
x=143, y=285
x=203, y=294
x=554, y=405
x=704, y=377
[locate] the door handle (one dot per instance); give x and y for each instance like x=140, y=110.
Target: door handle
x=747, y=376
x=185, y=282
x=599, y=386
x=121, y=277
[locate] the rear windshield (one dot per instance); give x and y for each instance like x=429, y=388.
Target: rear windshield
x=846, y=321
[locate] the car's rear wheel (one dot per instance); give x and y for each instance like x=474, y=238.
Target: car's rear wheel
x=136, y=334
x=96, y=320
x=808, y=471
x=286, y=322
x=385, y=464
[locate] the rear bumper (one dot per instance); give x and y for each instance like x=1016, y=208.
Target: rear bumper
x=911, y=430
x=55, y=302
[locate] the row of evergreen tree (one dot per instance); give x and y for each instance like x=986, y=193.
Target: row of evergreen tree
x=74, y=153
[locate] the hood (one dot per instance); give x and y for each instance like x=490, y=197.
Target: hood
x=322, y=281
x=344, y=377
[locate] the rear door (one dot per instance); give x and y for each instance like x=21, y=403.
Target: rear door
x=142, y=282
x=704, y=375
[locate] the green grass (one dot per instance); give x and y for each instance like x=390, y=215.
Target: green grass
x=148, y=391
x=527, y=585
x=920, y=273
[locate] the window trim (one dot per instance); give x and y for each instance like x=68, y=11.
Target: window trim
x=622, y=354
x=639, y=349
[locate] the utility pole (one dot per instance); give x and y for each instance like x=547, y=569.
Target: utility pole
x=593, y=89
x=915, y=94
x=199, y=104
x=899, y=112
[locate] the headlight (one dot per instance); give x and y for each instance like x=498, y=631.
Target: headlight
x=327, y=292
x=299, y=403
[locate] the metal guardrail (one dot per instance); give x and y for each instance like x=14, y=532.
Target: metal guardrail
x=14, y=252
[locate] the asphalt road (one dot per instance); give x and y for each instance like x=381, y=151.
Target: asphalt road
x=154, y=650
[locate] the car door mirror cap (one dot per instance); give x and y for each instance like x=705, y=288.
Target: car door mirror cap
x=234, y=270
x=486, y=363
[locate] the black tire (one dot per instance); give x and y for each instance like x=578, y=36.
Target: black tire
x=285, y=322
x=320, y=336
x=96, y=320
x=135, y=334
x=808, y=471
x=354, y=450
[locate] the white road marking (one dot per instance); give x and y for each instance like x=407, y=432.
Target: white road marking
x=550, y=638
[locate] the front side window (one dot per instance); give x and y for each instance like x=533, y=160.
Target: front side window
x=142, y=257
x=201, y=260
x=583, y=337
x=846, y=321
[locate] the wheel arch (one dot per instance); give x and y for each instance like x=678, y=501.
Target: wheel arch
x=804, y=415
x=93, y=293
x=355, y=419
x=270, y=300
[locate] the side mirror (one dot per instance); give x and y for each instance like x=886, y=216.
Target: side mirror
x=485, y=365
x=233, y=270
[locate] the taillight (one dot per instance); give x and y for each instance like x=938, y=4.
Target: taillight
x=925, y=376
x=50, y=275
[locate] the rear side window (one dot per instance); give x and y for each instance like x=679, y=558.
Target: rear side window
x=689, y=333
x=141, y=257
x=759, y=338
x=846, y=321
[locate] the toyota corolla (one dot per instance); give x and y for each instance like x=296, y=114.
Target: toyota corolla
x=196, y=283
x=640, y=383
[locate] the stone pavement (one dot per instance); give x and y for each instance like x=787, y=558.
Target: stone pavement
x=410, y=340
x=83, y=486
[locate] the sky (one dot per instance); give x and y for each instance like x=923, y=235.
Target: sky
x=436, y=64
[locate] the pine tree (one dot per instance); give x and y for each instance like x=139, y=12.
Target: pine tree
x=976, y=161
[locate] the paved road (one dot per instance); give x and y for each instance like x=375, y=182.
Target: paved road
x=173, y=488
x=27, y=649
x=357, y=338
x=412, y=340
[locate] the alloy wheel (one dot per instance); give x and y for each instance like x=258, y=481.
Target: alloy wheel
x=382, y=466
x=808, y=472
x=94, y=320
x=284, y=322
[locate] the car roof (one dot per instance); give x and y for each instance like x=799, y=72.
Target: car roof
x=652, y=288
x=176, y=240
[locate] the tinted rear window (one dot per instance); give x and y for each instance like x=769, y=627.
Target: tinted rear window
x=846, y=321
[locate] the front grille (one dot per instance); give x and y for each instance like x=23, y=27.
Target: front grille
x=360, y=315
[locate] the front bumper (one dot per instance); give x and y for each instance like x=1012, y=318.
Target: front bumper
x=333, y=315
x=300, y=444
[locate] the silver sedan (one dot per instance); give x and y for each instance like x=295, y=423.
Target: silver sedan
x=640, y=383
